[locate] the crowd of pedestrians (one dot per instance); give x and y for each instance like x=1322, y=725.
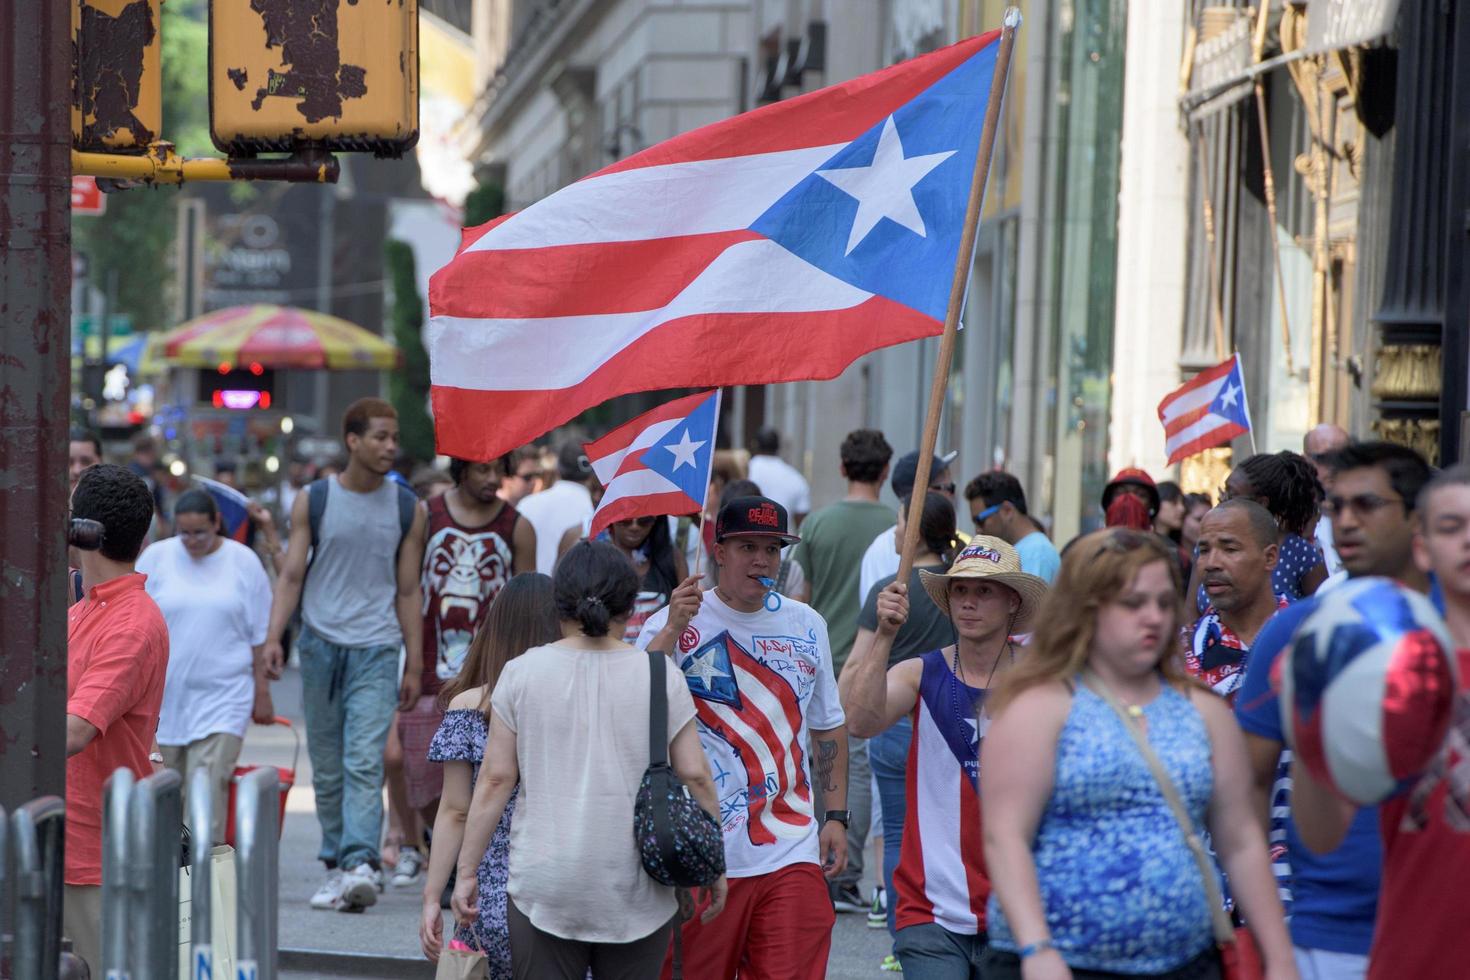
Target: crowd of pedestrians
x=1042, y=733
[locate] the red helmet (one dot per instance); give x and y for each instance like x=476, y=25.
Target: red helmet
x=1135, y=477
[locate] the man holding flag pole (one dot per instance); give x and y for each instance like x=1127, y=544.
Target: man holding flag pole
x=779, y=245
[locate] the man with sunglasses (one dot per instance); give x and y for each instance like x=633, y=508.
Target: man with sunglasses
x=1318, y=445
x=522, y=472
x=998, y=508
x=1334, y=896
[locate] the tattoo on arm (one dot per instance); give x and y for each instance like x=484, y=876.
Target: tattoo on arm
x=826, y=758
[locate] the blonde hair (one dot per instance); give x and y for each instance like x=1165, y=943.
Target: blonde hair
x=1096, y=570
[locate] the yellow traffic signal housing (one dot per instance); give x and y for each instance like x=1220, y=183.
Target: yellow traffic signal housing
x=116, y=104
x=340, y=74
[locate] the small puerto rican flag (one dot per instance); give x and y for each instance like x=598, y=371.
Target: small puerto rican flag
x=657, y=464
x=1207, y=411
x=234, y=509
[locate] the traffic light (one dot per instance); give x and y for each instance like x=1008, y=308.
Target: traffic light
x=116, y=101
x=340, y=74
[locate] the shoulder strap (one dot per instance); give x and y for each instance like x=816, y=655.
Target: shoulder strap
x=1219, y=918
x=658, y=710
x=316, y=507
x=407, y=501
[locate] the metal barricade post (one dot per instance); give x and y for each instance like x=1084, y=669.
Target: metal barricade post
x=201, y=911
x=156, y=819
x=257, y=809
x=38, y=830
x=117, y=799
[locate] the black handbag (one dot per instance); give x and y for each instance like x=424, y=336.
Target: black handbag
x=679, y=843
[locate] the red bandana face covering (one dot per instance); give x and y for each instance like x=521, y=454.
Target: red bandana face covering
x=1127, y=510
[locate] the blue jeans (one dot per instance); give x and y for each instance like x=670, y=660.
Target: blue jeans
x=932, y=952
x=350, y=695
x=889, y=755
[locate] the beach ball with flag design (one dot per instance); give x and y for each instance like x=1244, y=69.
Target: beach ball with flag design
x=1367, y=688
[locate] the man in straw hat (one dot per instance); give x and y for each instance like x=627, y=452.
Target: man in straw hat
x=941, y=908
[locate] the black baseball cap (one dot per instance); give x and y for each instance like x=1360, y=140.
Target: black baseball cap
x=907, y=468
x=749, y=517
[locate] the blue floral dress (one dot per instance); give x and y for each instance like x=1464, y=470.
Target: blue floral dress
x=461, y=738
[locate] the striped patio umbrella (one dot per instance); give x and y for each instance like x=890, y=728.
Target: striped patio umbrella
x=276, y=337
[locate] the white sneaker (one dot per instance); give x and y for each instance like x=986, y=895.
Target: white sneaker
x=410, y=868
x=359, y=888
x=326, y=896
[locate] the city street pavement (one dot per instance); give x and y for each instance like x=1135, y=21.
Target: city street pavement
x=383, y=941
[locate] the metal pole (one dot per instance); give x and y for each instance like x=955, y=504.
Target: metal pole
x=38, y=829
x=155, y=820
x=117, y=797
x=35, y=388
x=201, y=921
x=257, y=808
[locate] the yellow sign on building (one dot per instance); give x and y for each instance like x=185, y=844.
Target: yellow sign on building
x=337, y=73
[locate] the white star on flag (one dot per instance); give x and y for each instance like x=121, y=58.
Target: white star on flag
x=1228, y=396
x=884, y=188
x=703, y=666
x=684, y=450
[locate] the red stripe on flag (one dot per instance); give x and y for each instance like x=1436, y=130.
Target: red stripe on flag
x=972, y=848
x=468, y=236
x=623, y=435
x=755, y=770
x=575, y=280
x=646, y=505
x=1198, y=381
x=1185, y=421
x=1215, y=437
x=836, y=114
x=482, y=425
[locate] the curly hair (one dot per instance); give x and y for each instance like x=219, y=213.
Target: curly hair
x=119, y=500
x=1286, y=484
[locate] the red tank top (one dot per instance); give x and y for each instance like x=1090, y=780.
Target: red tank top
x=464, y=569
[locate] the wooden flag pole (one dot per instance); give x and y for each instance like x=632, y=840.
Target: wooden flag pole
x=1009, y=24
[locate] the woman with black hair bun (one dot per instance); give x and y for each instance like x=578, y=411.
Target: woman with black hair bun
x=569, y=725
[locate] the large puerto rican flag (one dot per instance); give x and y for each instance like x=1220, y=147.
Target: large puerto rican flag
x=1206, y=411
x=659, y=463
x=778, y=245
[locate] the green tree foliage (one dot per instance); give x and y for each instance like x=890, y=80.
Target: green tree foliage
x=408, y=387
x=135, y=238
x=485, y=202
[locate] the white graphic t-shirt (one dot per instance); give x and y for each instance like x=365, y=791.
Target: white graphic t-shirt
x=759, y=681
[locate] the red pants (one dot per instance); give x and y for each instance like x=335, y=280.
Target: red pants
x=776, y=926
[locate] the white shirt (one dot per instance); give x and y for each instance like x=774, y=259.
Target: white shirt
x=217, y=608
x=564, y=504
x=1324, y=541
x=760, y=681
x=581, y=724
x=879, y=562
x=783, y=483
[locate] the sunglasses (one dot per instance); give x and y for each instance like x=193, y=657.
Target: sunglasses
x=1363, y=504
x=980, y=517
x=942, y=488
x=644, y=521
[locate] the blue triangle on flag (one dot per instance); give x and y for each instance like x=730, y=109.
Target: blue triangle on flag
x=684, y=454
x=815, y=219
x=1229, y=401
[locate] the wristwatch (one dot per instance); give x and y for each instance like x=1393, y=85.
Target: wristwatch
x=843, y=817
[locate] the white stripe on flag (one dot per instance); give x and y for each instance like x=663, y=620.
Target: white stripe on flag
x=748, y=277
x=691, y=198
x=638, y=483
x=606, y=467
x=1191, y=400
x=1190, y=433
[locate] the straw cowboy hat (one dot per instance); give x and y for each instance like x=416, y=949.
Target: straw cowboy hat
x=990, y=558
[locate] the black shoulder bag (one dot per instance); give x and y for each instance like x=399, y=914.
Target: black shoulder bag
x=679, y=843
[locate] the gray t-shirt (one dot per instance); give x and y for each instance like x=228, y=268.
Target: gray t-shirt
x=352, y=585
x=927, y=628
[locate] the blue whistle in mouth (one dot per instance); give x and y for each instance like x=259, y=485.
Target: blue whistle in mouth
x=773, y=598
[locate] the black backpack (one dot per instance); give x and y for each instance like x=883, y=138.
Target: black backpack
x=679, y=843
